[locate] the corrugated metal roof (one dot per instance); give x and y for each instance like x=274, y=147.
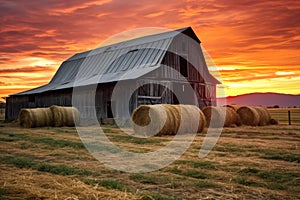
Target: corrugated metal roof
x=122, y=61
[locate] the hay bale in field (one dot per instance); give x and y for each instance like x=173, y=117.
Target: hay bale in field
x=233, y=116
x=214, y=116
x=202, y=122
x=274, y=122
x=149, y=120
x=190, y=114
x=264, y=116
x=220, y=116
x=65, y=116
x=165, y=119
x=233, y=106
x=37, y=117
x=173, y=114
x=248, y=115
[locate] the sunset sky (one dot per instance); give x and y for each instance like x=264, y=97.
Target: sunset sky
x=254, y=43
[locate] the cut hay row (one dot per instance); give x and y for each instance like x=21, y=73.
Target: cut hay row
x=54, y=116
x=166, y=119
x=217, y=117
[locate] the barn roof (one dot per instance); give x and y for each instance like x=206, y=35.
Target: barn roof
x=121, y=61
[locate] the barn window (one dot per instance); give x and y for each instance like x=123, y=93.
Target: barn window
x=31, y=98
x=183, y=67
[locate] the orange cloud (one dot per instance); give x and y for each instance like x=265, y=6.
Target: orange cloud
x=252, y=42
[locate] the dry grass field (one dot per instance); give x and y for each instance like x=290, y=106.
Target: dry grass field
x=246, y=163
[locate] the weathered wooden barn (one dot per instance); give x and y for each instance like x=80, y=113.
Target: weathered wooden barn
x=139, y=63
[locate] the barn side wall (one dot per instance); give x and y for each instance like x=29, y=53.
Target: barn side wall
x=42, y=100
x=13, y=106
x=97, y=100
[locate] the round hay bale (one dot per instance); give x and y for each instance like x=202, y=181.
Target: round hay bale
x=202, y=122
x=220, y=116
x=174, y=113
x=248, y=115
x=65, y=116
x=37, y=117
x=214, y=116
x=150, y=120
x=235, y=107
x=264, y=116
x=274, y=122
x=165, y=119
x=193, y=119
x=232, y=117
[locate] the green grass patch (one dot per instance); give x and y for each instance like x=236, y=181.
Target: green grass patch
x=4, y=191
x=188, y=172
x=276, y=186
x=221, y=154
x=62, y=130
x=145, y=179
x=20, y=162
x=275, y=179
x=23, y=162
x=26, y=145
x=48, y=141
x=194, y=174
x=286, y=157
x=107, y=130
x=247, y=182
x=205, y=184
x=198, y=164
x=9, y=137
x=249, y=170
x=96, y=147
x=107, y=183
x=278, y=177
x=61, y=169
x=279, y=155
x=58, y=143
x=230, y=148
x=135, y=140
x=154, y=179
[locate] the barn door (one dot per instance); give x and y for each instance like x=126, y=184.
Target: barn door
x=109, y=107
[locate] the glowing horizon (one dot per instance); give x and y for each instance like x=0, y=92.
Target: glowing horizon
x=251, y=54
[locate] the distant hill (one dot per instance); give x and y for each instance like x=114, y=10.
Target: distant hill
x=263, y=99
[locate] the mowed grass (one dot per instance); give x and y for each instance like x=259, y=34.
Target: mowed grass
x=244, y=161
